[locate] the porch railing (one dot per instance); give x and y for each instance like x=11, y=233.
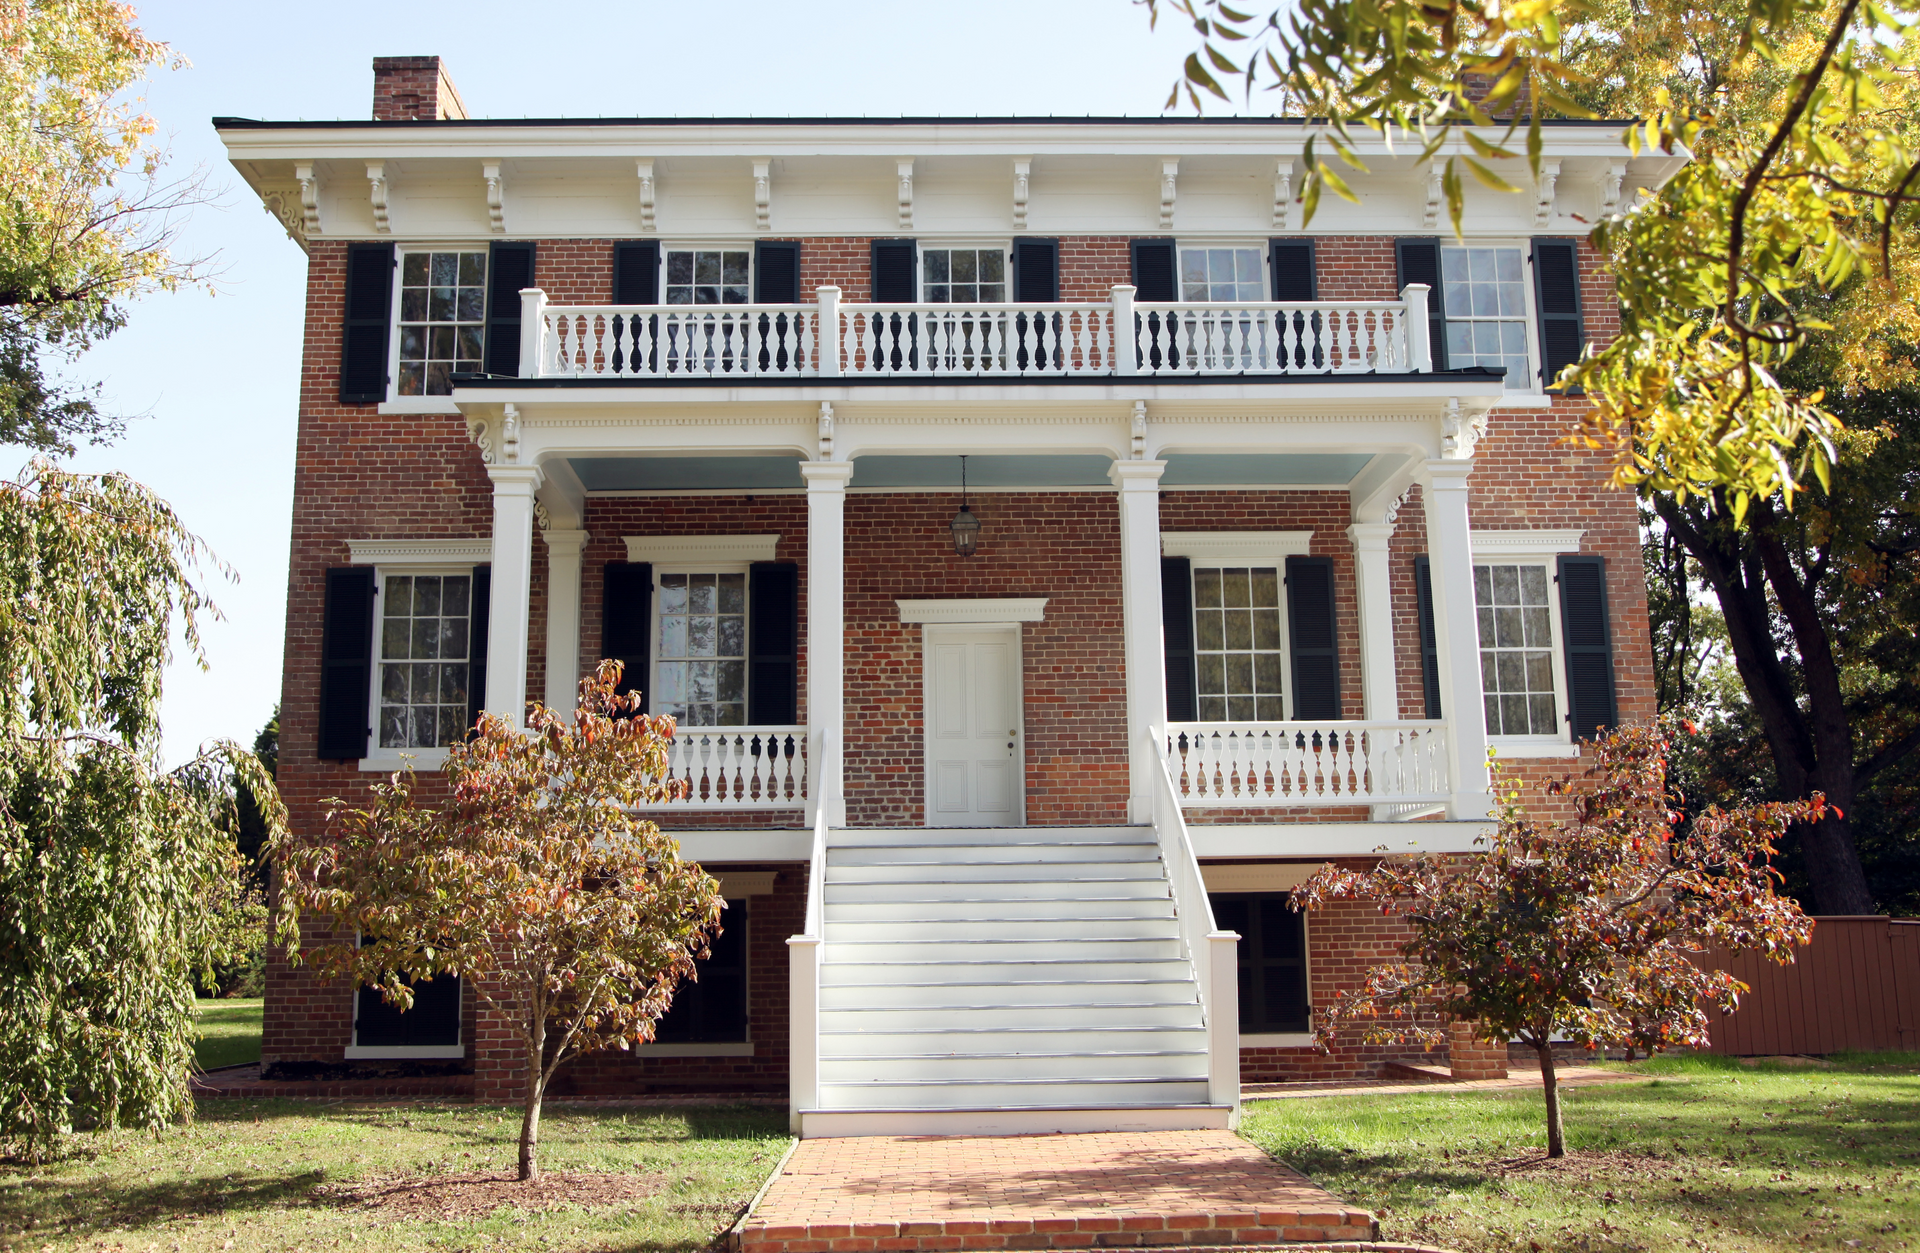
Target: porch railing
x=740, y=767
x=1258, y=764
x=803, y=950
x=1117, y=337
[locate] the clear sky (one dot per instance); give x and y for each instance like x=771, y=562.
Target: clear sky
x=213, y=377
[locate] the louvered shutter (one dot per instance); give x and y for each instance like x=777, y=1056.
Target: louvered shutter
x=1556, y=299
x=509, y=268
x=1429, y=637
x=626, y=624
x=636, y=281
x=773, y=644
x=776, y=281
x=1291, y=264
x=1176, y=634
x=893, y=272
x=1311, y=631
x=1153, y=270
x=1036, y=271
x=1588, y=646
x=477, y=643
x=1418, y=261
x=346, y=663
x=368, y=323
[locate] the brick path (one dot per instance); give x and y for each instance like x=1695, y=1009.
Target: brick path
x=880, y=1194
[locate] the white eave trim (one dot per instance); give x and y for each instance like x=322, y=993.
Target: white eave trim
x=420, y=552
x=1562, y=540
x=1005, y=609
x=1250, y=544
x=692, y=549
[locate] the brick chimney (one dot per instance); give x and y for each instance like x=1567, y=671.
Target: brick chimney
x=414, y=89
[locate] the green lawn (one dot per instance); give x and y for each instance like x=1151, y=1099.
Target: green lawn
x=1706, y=1154
x=229, y=1032
x=266, y=1175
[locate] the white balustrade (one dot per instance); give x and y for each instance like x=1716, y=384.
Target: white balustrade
x=946, y=340
x=740, y=767
x=1318, y=337
x=1262, y=764
x=679, y=341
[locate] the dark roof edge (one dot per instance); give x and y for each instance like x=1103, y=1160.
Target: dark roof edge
x=242, y=123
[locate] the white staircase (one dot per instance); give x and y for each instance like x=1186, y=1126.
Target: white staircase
x=980, y=981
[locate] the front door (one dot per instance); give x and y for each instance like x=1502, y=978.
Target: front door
x=974, y=755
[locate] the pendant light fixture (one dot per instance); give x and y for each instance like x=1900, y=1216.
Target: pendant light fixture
x=965, y=527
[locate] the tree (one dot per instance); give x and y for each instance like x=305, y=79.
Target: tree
x=88, y=220
x=1815, y=184
x=241, y=903
x=107, y=861
x=568, y=914
x=1587, y=929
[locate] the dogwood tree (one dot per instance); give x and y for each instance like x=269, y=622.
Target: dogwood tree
x=571, y=917
x=1590, y=929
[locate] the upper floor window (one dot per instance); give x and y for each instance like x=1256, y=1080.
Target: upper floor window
x=1222, y=274
x=1485, y=294
x=443, y=313
x=963, y=276
x=709, y=276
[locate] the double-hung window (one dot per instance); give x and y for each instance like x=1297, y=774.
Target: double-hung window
x=700, y=648
x=1225, y=276
x=1239, y=652
x=1486, y=296
x=1248, y=627
x=1519, y=685
x=442, y=324
x=424, y=662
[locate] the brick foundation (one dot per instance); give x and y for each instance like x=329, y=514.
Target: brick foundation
x=1470, y=1057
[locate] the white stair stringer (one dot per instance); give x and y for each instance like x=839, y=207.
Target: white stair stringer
x=1004, y=980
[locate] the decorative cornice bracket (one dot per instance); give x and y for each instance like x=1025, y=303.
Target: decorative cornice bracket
x=903, y=167
x=643, y=166
x=377, y=193
x=496, y=196
x=763, y=193
x=1282, y=193
x=1022, y=182
x=1169, y=187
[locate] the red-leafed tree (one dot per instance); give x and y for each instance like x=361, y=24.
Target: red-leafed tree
x=568, y=914
x=1591, y=928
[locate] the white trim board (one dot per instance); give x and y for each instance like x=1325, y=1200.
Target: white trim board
x=1561, y=540
x=1252, y=544
x=678, y=549
x=420, y=552
x=982, y=610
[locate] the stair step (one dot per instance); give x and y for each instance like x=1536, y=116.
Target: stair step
x=1014, y=972
x=914, y=892
x=1005, y=948
x=1183, y=1064
x=1000, y=994
x=992, y=1093
x=1054, y=1015
x=1000, y=912
x=854, y=837
x=841, y=929
x=950, y=1038
x=1054, y=875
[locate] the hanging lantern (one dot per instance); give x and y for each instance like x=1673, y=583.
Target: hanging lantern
x=965, y=527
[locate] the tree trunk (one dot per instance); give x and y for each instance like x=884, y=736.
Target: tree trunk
x=536, y=1090
x=1550, y=1085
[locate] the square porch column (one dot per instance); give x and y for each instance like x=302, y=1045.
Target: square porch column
x=1373, y=579
x=563, y=617
x=827, y=615
x=1457, y=632
x=1139, y=484
x=513, y=488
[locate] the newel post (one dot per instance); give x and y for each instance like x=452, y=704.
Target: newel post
x=533, y=331
x=1223, y=1020
x=1126, y=346
x=1419, y=329
x=829, y=334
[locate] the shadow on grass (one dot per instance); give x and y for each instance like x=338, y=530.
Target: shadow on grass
x=43, y=1204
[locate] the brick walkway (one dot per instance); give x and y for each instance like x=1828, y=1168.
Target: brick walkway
x=880, y=1194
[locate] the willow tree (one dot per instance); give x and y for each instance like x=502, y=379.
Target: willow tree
x=109, y=863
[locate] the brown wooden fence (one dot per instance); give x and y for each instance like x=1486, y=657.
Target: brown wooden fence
x=1857, y=986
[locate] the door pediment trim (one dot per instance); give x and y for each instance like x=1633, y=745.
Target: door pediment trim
x=999, y=609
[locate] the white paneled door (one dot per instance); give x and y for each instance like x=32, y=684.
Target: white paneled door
x=974, y=754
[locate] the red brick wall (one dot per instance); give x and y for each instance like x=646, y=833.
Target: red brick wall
x=408, y=89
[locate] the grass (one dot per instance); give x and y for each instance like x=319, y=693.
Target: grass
x=1705, y=1154
x=249, y=1175
x=229, y=1032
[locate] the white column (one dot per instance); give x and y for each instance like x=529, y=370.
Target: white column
x=1373, y=577
x=1457, y=632
x=1139, y=484
x=827, y=613
x=563, y=618
x=513, y=488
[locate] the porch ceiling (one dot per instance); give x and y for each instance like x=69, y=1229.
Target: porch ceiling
x=782, y=472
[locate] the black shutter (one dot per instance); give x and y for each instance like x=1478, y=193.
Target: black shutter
x=1036, y=271
x=893, y=272
x=509, y=268
x=1418, y=261
x=1291, y=264
x=369, y=321
x=1556, y=290
x=626, y=626
x=773, y=644
x=1176, y=634
x=776, y=272
x=433, y=1020
x=636, y=272
x=1429, y=637
x=346, y=663
x=1589, y=645
x=1154, y=270
x=1272, y=959
x=477, y=643
x=1311, y=632
x=713, y=1010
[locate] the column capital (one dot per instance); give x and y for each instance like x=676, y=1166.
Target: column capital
x=1370, y=536
x=1137, y=476
x=1450, y=475
x=826, y=476
x=515, y=480
x=564, y=541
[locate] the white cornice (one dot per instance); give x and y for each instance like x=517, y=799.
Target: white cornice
x=1003, y=609
x=420, y=552
x=1560, y=540
x=1252, y=544
x=678, y=549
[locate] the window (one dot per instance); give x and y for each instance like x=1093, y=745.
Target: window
x=1273, y=959
x=1485, y=295
x=709, y=276
x=700, y=666
x=714, y=1009
x=1239, y=656
x=424, y=661
x=443, y=311
x=1516, y=649
x=1222, y=274
x=963, y=276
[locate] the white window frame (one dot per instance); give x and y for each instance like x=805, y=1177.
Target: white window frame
x=922, y=247
x=1531, y=548
x=358, y=1052
x=1259, y=247
x=395, y=403
x=408, y=557
x=1532, y=319
x=741, y=568
x=1238, y=549
x=709, y=245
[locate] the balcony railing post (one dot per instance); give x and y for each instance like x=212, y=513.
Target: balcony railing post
x=1126, y=349
x=533, y=332
x=829, y=336
x=1419, y=329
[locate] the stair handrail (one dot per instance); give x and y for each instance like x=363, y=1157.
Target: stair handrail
x=803, y=950
x=1213, y=952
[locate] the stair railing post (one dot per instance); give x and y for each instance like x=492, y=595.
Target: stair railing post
x=1223, y=1021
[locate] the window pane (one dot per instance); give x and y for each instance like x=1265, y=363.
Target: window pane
x=1206, y=588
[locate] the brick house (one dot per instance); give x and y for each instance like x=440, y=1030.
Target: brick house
x=1051, y=551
